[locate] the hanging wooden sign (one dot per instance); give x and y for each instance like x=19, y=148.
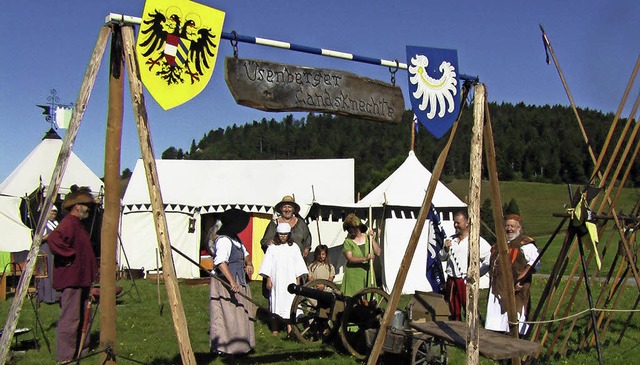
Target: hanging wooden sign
x=280, y=87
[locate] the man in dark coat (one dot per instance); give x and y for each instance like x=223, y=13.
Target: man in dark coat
x=75, y=270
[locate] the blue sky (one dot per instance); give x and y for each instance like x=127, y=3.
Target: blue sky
x=48, y=43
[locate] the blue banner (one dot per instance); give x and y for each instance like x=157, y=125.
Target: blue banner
x=435, y=273
x=434, y=87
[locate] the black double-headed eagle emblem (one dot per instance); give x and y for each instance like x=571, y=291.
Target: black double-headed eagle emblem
x=176, y=45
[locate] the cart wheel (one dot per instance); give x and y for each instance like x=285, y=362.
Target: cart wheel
x=427, y=350
x=362, y=311
x=310, y=321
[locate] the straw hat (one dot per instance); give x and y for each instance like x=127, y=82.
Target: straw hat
x=352, y=220
x=78, y=195
x=287, y=200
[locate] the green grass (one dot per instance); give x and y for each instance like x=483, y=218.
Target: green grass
x=146, y=335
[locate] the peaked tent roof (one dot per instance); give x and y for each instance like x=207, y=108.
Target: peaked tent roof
x=38, y=167
x=407, y=186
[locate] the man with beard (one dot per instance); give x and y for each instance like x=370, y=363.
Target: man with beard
x=75, y=270
x=522, y=254
x=455, y=252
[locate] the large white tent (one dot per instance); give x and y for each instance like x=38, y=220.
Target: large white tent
x=193, y=190
x=395, y=205
x=38, y=166
x=32, y=173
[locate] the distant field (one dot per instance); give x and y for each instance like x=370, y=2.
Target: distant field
x=539, y=201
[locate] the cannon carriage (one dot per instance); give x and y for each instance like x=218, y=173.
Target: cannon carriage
x=320, y=312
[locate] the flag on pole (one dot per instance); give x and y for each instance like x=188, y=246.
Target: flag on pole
x=435, y=273
x=63, y=117
x=433, y=87
x=177, y=48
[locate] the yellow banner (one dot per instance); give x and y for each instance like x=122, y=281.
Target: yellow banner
x=177, y=49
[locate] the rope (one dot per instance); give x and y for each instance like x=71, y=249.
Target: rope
x=577, y=315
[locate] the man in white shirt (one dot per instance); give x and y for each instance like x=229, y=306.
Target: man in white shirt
x=456, y=253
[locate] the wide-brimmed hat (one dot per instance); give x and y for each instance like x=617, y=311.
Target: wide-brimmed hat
x=287, y=199
x=233, y=222
x=78, y=195
x=352, y=220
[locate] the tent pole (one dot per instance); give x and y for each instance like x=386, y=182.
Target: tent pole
x=56, y=179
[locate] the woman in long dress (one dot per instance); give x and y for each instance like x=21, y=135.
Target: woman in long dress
x=358, y=253
x=232, y=316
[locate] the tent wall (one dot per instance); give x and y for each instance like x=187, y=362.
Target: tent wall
x=15, y=235
x=203, y=188
x=140, y=243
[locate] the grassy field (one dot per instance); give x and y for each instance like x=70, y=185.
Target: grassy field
x=145, y=333
x=538, y=202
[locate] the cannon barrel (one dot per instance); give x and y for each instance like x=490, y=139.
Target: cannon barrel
x=325, y=297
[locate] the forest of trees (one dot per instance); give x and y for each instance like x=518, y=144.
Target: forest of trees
x=533, y=143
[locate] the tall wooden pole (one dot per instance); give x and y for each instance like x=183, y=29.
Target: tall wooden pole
x=111, y=216
x=164, y=245
x=473, y=271
x=504, y=264
x=56, y=178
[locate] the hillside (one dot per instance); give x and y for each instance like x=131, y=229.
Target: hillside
x=533, y=143
x=538, y=201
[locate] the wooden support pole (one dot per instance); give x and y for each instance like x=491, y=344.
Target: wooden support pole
x=56, y=178
x=159, y=218
x=111, y=216
x=615, y=123
x=411, y=247
x=504, y=265
x=473, y=271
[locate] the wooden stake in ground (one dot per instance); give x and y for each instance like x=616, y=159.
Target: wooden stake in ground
x=162, y=231
x=56, y=178
x=473, y=271
x=111, y=216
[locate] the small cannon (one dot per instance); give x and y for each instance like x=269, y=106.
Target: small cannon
x=320, y=311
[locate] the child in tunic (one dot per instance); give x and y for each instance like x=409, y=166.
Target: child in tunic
x=282, y=265
x=321, y=268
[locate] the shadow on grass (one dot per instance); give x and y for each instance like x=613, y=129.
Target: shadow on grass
x=206, y=358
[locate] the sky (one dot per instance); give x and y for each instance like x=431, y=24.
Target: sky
x=48, y=45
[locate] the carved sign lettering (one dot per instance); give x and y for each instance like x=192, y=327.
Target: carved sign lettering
x=280, y=87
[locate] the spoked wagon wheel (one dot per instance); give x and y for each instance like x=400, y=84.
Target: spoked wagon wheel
x=427, y=350
x=311, y=320
x=363, y=311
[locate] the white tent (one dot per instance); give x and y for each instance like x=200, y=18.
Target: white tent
x=15, y=235
x=194, y=189
x=32, y=173
x=398, y=199
x=38, y=167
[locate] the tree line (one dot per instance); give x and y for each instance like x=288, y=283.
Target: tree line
x=533, y=143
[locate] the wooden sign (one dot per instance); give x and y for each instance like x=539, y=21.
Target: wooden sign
x=280, y=87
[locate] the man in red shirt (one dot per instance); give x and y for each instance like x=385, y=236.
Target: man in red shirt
x=75, y=270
